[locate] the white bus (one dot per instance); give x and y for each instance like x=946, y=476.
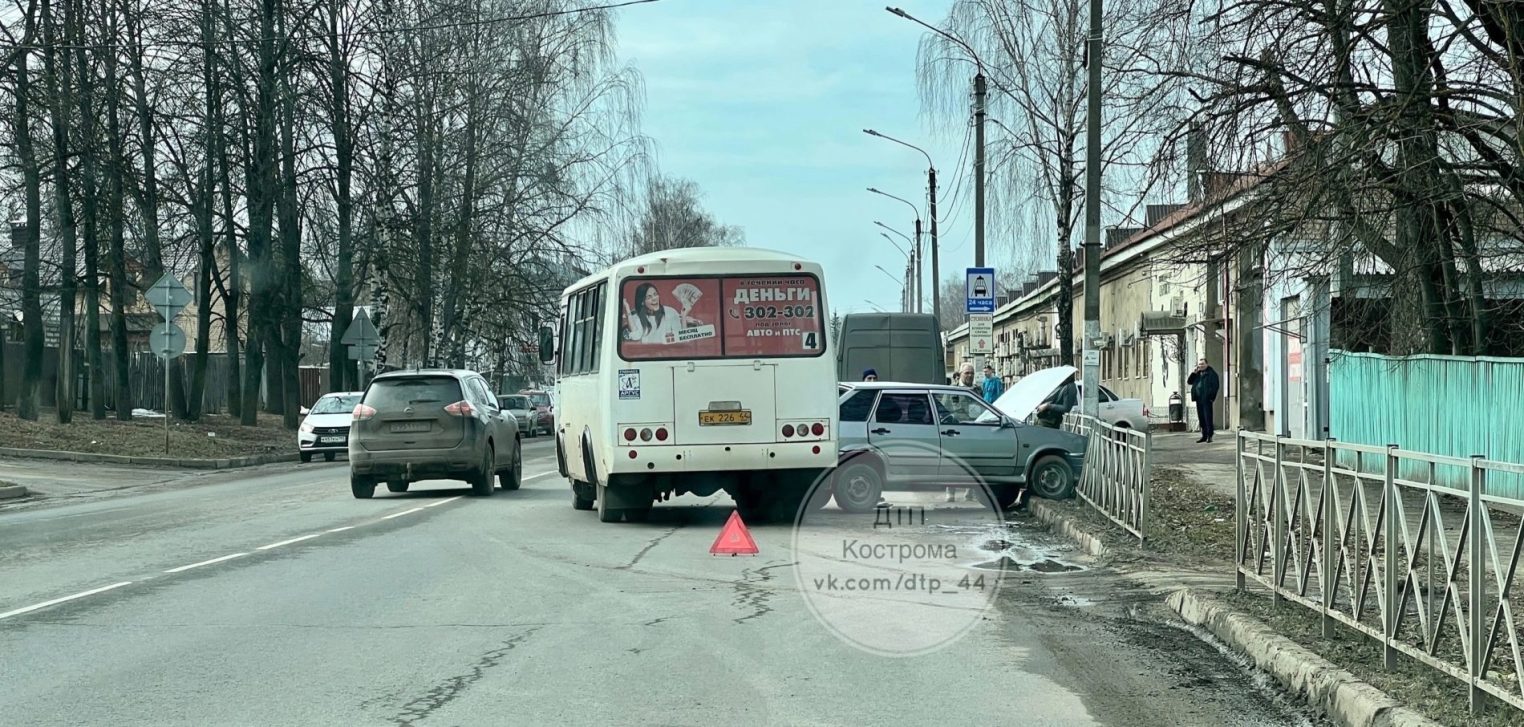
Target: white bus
x=692, y=371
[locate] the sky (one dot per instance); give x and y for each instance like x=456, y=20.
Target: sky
x=762, y=103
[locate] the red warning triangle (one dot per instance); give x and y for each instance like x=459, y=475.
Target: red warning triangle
x=734, y=538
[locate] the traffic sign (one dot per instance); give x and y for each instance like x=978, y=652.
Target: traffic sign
x=981, y=333
x=363, y=352
x=980, y=287
x=734, y=539
x=361, y=331
x=1092, y=357
x=167, y=340
x=168, y=296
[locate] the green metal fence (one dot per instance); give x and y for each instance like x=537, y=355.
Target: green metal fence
x=1447, y=405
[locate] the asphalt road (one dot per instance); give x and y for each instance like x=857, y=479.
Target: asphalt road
x=271, y=597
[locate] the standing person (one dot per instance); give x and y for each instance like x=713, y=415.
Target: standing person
x=1051, y=413
x=1204, y=386
x=870, y=375
x=965, y=380
x=992, y=388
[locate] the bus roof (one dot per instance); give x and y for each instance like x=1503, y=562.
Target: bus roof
x=689, y=255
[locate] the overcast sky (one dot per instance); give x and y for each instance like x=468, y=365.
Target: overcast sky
x=763, y=102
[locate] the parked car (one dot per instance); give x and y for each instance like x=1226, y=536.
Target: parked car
x=1119, y=412
x=522, y=410
x=545, y=410
x=432, y=424
x=325, y=430
x=1114, y=410
x=953, y=438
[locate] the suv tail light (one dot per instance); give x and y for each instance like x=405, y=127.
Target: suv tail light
x=363, y=412
x=460, y=409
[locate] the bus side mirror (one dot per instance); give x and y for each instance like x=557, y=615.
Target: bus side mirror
x=547, y=346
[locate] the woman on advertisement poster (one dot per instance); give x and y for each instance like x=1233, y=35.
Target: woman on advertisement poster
x=652, y=322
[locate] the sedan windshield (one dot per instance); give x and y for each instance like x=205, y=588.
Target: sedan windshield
x=336, y=404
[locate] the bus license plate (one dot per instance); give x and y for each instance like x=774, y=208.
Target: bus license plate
x=713, y=418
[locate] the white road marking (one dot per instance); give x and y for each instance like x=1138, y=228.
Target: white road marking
x=538, y=476
x=56, y=601
x=288, y=542
x=340, y=530
x=205, y=562
x=441, y=502
x=404, y=512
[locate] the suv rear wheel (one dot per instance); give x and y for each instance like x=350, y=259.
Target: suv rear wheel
x=397, y=485
x=481, y=479
x=511, y=478
x=363, y=488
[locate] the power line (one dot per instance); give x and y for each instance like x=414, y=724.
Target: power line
x=346, y=34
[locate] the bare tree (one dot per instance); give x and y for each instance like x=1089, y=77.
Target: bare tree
x=1033, y=54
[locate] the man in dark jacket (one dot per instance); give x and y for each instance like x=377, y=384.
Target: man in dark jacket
x=1204, y=385
x=1051, y=412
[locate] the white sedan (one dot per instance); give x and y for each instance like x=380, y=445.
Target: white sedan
x=326, y=429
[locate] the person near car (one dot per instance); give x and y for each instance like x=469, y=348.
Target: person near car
x=1051, y=412
x=966, y=380
x=870, y=375
x=991, y=388
x=1204, y=385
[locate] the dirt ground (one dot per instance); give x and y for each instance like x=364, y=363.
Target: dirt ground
x=214, y=437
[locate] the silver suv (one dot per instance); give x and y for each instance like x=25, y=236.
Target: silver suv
x=926, y=437
x=432, y=424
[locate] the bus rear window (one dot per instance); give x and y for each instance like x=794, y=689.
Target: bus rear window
x=718, y=317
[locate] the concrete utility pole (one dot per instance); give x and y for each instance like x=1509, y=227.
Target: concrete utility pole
x=936, y=268
x=916, y=253
x=979, y=116
x=1092, y=361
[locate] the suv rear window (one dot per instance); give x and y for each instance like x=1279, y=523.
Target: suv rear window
x=401, y=392
x=539, y=399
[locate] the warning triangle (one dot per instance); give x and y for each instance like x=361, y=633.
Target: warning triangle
x=734, y=538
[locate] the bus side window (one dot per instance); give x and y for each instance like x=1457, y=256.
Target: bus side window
x=574, y=324
x=598, y=303
x=586, y=362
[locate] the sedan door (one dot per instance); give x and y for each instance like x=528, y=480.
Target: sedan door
x=903, y=432
x=975, y=437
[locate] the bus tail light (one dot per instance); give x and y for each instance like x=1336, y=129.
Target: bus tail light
x=629, y=434
x=632, y=454
x=817, y=429
x=788, y=430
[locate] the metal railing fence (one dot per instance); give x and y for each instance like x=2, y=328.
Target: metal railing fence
x=1115, y=477
x=1372, y=538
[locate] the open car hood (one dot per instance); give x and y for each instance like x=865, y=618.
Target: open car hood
x=1019, y=401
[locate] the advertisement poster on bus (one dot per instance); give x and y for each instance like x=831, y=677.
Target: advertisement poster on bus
x=670, y=318
x=773, y=315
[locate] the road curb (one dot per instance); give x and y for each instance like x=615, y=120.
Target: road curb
x=185, y=463
x=1342, y=696
x=12, y=492
x=1067, y=526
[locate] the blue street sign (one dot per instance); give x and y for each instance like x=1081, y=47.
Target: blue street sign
x=981, y=290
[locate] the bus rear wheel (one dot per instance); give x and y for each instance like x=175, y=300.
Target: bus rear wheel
x=607, y=514
x=582, y=496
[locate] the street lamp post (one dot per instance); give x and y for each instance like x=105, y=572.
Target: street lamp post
x=979, y=115
x=931, y=190
x=901, y=283
x=915, y=245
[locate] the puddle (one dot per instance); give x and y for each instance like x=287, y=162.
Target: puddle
x=1048, y=565
x=996, y=546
